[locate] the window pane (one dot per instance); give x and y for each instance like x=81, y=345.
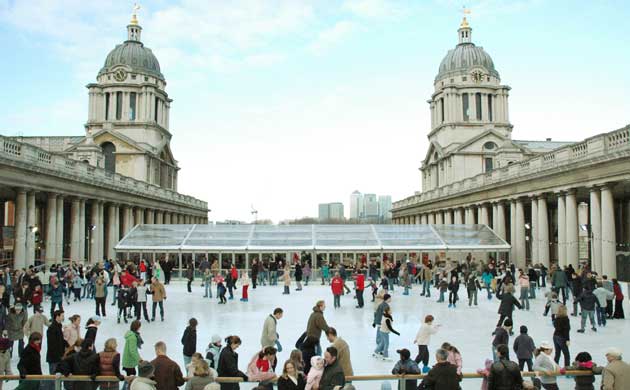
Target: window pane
x=490, y=108
x=155, y=113
x=442, y=108
x=132, y=106
x=118, y=105
x=478, y=104
x=107, y=106
x=465, y=106
x=488, y=163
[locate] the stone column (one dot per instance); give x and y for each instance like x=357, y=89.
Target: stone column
x=467, y=216
x=159, y=217
x=139, y=217
x=101, y=230
x=440, y=218
x=126, y=221
x=513, y=250
x=533, y=236
x=562, y=230
x=167, y=218
x=82, y=241
x=51, y=229
x=499, y=228
x=75, y=223
x=59, y=233
x=626, y=228
x=93, y=233
x=150, y=217
x=494, y=216
x=484, y=217
x=520, y=234
x=30, y=222
x=596, y=230
x=448, y=217
x=543, y=231
x=20, y=229
x=431, y=219
x=457, y=216
x=609, y=266
x=424, y=219
x=111, y=230
x=572, y=229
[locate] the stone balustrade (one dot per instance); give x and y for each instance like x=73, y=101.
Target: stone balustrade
x=37, y=159
x=597, y=148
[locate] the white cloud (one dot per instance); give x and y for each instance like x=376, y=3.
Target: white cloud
x=332, y=36
x=376, y=8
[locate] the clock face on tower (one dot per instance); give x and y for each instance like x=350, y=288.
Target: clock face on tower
x=477, y=76
x=120, y=75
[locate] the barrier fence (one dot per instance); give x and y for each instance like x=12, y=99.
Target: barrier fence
x=59, y=379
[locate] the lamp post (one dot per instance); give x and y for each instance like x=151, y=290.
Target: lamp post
x=528, y=241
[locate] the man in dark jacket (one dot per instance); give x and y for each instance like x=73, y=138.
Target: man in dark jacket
x=501, y=336
x=167, y=375
x=504, y=374
x=506, y=308
x=333, y=373
x=189, y=340
x=30, y=362
x=56, y=345
x=316, y=324
x=84, y=362
x=443, y=375
x=589, y=303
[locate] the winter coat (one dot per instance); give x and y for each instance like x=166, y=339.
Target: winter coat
x=588, y=300
x=343, y=356
x=131, y=356
x=189, y=341
x=562, y=327
x=109, y=365
x=298, y=273
x=158, y=291
x=545, y=362
x=71, y=334
x=316, y=324
x=198, y=382
x=616, y=376
x=140, y=383
x=378, y=313
x=524, y=346
x=442, y=376
x=36, y=323
x=100, y=289
x=287, y=383
x=406, y=367
x=15, y=324
x=30, y=362
x=603, y=296
x=56, y=294
x=508, y=301
x=504, y=375
x=91, y=332
x=585, y=382
x=122, y=298
x=269, y=333
x=167, y=374
x=336, y=285
x=142, y=294
x=333, y=376
x=255, y=374
x=228, y=367
x=559, y=279
x=212, y=355
x=84, y=362
x=424, y=334
x=501, y=336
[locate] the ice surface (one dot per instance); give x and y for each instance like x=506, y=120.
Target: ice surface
x=469, y=329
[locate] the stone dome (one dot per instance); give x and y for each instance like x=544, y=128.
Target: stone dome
x=133, y=54
x=465, y=57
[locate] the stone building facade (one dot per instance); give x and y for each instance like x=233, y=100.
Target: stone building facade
x=528, y=192
x=74, y=197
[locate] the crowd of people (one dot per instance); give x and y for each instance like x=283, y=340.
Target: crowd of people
x=74, y=351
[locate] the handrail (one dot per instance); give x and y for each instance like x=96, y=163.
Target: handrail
x=357, y=378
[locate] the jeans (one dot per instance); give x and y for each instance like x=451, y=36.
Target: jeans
x=189, y=285
x=337, y=300
x=426, y=288
x=452, y=297
x=532, y=290
x=561, y=346
x=141, y=308
x=360, y=298
x=273, y=278
x=522, y=362
x=59, y=305
x=390, y=283
x=601, y=316
x=591, y=316
x=155, y=304
x=100, y=306
x=441, y=296
x=379, y=339
x=525, y=297
x=472, y=297
x=489, y=289
x=50, y=385
x=385, y=343
x=115, y=295
x=208, y=287
x=187, y=360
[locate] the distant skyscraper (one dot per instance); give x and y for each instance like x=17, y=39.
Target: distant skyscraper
x=331, y=211
x=370, y=206
x=356, y=205
x=385, y=208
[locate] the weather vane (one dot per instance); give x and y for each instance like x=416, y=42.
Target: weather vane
x=134, y=15
x=465, y=11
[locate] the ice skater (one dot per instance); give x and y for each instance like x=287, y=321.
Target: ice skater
x=422, y=341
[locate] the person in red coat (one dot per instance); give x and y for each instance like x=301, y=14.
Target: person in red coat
x=359, y=281
x=36, y=298
x=127, y=279
x=336, y=284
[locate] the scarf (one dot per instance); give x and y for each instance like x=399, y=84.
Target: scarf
x=139, y=340
x=587, y=365
x=37, y=347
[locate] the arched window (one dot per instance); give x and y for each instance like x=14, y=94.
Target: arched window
x=110, y=158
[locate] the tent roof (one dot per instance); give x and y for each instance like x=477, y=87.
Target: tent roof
x=319, y=238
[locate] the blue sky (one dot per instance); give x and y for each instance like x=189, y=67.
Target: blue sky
x=285, y=104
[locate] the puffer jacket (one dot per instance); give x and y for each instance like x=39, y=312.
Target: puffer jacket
x=505, y=375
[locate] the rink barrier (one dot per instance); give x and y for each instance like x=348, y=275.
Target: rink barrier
x=59, y=379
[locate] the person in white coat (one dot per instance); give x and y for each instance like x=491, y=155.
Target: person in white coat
x=269, y=337
x=544, y=364
x=422, y=340
x=143, y=381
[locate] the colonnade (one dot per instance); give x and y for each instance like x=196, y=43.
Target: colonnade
x=546, y=223
x=92, y=230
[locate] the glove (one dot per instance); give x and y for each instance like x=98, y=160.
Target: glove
x=22, y=376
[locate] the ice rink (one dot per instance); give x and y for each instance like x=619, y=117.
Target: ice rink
x=468, y=328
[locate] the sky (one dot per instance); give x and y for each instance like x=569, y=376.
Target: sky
x=282, y=105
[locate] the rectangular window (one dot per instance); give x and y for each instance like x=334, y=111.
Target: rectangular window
x=106, y=105
x=119, y=105
x=442, y=109
x=155, y=112
x=488, y=164
x=132, y=106
x=478, y=105
x=465, y=107
x=490, y=108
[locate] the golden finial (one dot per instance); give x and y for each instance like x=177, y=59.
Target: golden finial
x=464, y=23
x=134, y=16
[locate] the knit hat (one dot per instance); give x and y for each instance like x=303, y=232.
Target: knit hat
x=215, y=339
x=507, y=322
x=523, y=329
x=145, y=369
x=583, y=357
x=404, y=353
x=386, y=297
